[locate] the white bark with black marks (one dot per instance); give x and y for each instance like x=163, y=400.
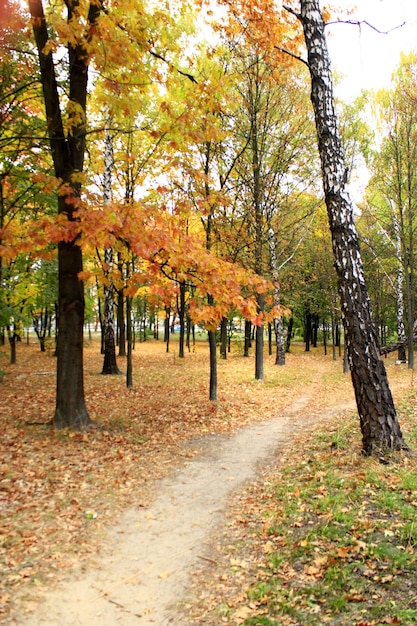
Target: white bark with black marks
x=110, y=363
x=378, y=419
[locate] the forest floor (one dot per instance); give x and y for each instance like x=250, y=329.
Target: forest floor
x=126, y=524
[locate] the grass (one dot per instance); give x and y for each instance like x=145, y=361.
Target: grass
x=333, y=537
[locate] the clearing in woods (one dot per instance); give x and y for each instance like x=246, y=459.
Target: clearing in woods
x=111, y=525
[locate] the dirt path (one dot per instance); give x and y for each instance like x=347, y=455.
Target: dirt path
x=145, y=568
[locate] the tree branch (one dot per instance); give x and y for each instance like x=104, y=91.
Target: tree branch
x=291, y=54
x=366, y=23
x=161, y=58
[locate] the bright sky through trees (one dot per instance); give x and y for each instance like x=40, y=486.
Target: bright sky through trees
x=361, y=55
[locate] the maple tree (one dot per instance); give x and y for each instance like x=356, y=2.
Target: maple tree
x=86, y=29
x=67, y=144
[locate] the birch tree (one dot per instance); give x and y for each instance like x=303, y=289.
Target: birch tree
x=110, y=363
x=378, y=419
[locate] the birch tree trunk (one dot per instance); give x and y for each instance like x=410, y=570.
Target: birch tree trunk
x=109, y=364
x=259, y=215
x=400, y=294
x=378, y=420
x=278, y=321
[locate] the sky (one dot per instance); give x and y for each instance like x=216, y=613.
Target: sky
x=364, y=57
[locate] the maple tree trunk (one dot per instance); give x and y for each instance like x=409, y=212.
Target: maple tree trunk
x=223, y=338
x=121, y=325
x=12, y=336
x=67, y=144
x=213, y=357
x=129, y=363
x=181, y=315
x=259, y=352
x=248, y=328
x=70, y=409
x=166, y=327
x=289, y=334
x=378, y=419
x=213, y=365
x=307, y=327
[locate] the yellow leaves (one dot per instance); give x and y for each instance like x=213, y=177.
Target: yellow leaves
x=75, y=117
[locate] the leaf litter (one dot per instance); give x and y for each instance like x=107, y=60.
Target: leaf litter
x=50, y=480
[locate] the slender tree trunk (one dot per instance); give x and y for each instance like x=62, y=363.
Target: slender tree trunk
x=110, y=362
x=210, y=298
x=278, y=322
x=213, y=365
x=269, y=339
x=259, y=335
x=213, y=359
x=259, y=345
x=411, y=288
x=378, y=419
x=181, y=315
x=248, y=329
x=223, y=338
x=333, y=336
x=166, y=327
x=121, y=325
x=12, y=336
x=289, y=334
x=129, y=363
x=315, y=329
x=307, y=328
x=400, y=299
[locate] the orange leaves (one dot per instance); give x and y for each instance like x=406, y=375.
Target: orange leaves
x=47, y=182
x=266, y=26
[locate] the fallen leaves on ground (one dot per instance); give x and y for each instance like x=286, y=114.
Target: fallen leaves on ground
x=60, y=491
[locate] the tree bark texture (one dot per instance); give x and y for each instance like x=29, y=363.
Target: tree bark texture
x=181, y=315
x=259, y=344
x=213, y=365
x=379, y=425
x=248, y=331
x=67, y=151
x=400, y=294
x=278, y=321
x=110, y=361
x=129, y=360
x=223, y=338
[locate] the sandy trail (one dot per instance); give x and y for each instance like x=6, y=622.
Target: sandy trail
x=144, y=568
